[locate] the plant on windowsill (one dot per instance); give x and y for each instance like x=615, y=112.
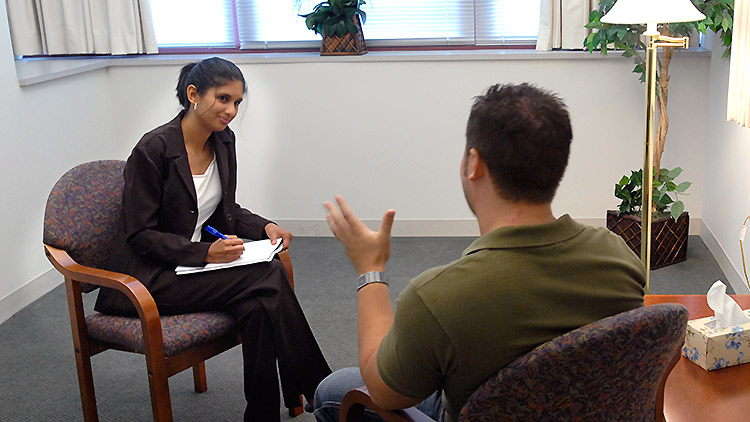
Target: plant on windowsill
x=670, y=224
x=340, y=23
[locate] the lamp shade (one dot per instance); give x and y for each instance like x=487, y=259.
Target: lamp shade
x=652, y=11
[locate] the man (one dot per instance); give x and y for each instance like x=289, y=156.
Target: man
x=529, y=278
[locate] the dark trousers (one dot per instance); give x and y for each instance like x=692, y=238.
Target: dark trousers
x=270, y=320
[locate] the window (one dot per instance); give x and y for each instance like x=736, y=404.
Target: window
x=263, y=24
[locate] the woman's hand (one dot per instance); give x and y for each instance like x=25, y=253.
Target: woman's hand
x=225, y=250
x=274, y=232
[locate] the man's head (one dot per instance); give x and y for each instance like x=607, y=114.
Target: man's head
x=522, y=134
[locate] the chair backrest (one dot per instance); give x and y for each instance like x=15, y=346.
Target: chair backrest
x=609, y=370
x=83, y=212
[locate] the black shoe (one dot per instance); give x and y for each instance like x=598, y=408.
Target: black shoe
x=308, y=407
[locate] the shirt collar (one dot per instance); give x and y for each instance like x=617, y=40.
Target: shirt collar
x=513, y=237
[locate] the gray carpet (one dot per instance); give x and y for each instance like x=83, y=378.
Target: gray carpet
x=37, y=368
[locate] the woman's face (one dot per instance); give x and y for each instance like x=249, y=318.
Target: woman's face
x=218, y=105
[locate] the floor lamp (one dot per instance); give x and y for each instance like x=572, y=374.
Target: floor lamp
x=651, y=12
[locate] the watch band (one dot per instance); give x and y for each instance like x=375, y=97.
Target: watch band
x=371, y=277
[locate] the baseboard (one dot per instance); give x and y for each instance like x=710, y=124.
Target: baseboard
x=430, y=228
x=734, y=277
x=28, y=293
x=401, y=228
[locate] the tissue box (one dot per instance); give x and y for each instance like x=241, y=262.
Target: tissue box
x=713, y=348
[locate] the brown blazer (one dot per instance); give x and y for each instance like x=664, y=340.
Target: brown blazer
x=160, y=207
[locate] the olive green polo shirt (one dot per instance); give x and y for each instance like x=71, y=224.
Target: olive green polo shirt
x=512, y=290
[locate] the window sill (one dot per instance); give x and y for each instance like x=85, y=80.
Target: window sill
x=32, y=71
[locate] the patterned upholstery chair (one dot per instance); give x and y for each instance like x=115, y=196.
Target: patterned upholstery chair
x=83, y=210
x=610, y=370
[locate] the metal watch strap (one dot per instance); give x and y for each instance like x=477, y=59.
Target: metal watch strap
x=371, y=277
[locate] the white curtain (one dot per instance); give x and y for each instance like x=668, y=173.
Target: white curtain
x=561, y=23
x=81, y=27
x=738, y=102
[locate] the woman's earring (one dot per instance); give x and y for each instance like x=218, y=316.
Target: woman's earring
x=195, y=106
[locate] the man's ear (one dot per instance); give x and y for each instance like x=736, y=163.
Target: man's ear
x=475, y=166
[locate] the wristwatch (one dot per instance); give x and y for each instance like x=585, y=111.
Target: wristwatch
x=371, y=277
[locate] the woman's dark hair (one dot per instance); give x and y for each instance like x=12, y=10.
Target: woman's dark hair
x=205, y=75
x=523, y=134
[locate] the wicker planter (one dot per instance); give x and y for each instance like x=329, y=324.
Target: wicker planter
x=349, y=44
x=669, y=238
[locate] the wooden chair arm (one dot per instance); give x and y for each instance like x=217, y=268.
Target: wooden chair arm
x=287, y=261
x=136, y=292
x=356, y=401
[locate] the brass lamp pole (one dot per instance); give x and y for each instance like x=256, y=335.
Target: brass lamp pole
x=650, y=12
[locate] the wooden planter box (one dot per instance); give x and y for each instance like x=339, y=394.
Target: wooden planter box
x=349, y=44
x=669, y=238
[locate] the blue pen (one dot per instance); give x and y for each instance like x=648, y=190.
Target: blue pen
x=215, y=232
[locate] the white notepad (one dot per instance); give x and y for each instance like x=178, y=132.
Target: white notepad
x=256, y=251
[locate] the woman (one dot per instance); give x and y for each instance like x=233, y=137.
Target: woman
x=180, y=178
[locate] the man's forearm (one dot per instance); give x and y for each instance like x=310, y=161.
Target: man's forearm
x=374, y=319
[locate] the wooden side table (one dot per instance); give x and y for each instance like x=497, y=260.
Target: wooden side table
x=693, y=394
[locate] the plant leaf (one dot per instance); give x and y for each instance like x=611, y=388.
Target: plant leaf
x=350, y=26
x=682, y=187
x=677, y=209
x=675, y=172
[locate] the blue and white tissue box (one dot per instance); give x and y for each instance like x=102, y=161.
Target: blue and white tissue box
x=714, y=348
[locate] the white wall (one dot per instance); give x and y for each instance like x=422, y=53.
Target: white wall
x=45, y=130
x=726, y=199
x=392, y=134
x=386, y=134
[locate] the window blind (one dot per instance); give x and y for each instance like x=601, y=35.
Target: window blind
x=193, y=23
x=263, y=24
x=506, y=22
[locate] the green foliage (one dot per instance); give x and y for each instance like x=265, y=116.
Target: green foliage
x=335, y=17
x=629, y=190
x=719, y=18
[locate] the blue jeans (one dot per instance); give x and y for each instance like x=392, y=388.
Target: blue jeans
x=332, y=389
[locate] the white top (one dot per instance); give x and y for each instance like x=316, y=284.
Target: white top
x=208, y=190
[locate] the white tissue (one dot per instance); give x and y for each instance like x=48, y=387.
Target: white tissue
x=728, y=312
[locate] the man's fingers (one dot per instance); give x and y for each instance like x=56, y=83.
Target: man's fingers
x=334, y=219
x=343, y=206
x=387, y=223
x=347, y=212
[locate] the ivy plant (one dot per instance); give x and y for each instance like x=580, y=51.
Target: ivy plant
x=629, y=191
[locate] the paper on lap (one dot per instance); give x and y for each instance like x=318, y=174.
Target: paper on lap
x=255, y=252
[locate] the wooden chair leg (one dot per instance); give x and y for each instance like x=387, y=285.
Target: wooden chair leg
x=297, y=410
x=199, y=377
x=158, y=383
x=82, y=351
x=86, y=385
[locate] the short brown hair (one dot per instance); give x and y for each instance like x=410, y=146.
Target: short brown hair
x=523, y=135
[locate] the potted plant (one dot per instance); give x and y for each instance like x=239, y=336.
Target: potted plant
x=340, y=23
x=626, y=38
x=670, y=224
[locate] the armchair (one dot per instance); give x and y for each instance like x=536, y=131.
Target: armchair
x=610, y=370
x=82, y=212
